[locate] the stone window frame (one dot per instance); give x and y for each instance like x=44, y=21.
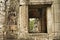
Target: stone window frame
x=41, y=34
x=43, y=14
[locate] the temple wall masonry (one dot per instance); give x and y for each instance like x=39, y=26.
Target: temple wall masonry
x=15, y=19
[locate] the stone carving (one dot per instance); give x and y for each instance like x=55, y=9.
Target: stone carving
x=12, y=18
x=11, y=21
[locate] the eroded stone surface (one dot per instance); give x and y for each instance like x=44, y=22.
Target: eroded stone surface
x=11, y=29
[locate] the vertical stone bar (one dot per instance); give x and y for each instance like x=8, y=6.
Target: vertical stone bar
x=49, y=20
x=23, y=21
x=23, y=17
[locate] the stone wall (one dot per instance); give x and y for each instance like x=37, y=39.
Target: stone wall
x=56, y=8
x=52, y=21
x=2, y=18
x=12, y=11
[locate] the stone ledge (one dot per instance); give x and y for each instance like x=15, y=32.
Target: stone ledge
x=37, y=3
x=39, y=34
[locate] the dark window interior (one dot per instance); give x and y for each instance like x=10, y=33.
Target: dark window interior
x=37, y=19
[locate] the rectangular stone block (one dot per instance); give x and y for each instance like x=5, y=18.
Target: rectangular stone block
x=40, y=0
x=41, y=39
x=56, y=1
x=56, y=12
x=57, y=36
x=57, y=17
x=57, y=27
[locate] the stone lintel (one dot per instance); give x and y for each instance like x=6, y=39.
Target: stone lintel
x=47, y=4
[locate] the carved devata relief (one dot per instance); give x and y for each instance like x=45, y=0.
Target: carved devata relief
x=12, y=18
x=12, y=13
